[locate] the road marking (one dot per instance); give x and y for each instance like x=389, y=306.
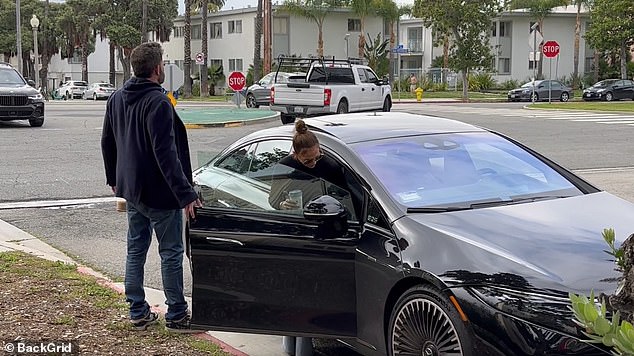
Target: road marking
x=54, y=203
x=616, y=122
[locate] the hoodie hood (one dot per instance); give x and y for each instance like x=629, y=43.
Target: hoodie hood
x=136, y=88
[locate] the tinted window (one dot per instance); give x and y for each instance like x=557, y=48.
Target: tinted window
x=266, y=155
x=362, y=76
x=238, y=161
x=333, y=74
x=459, y=169
x=10, y=76
x=372, y=78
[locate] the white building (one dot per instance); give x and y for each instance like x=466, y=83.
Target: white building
x=231, y=43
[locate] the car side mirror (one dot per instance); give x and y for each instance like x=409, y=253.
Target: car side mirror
x=330, y=214
x=31, y=83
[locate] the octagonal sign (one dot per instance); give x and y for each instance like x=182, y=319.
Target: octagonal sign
x=550, y=49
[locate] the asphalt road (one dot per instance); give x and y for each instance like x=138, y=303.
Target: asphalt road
x=62, y=160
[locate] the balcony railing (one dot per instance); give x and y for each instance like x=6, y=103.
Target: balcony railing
x=415, y=46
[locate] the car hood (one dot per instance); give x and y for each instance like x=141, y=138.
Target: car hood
x=18, y=89
x=554, y=244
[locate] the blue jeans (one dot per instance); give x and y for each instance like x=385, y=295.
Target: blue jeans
x=168, y=225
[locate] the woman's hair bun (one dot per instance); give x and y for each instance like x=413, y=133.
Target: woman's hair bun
x=300, y=126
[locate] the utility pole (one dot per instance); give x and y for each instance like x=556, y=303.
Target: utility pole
x=18, y=34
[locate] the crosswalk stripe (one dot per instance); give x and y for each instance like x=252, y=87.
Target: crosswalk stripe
x=613, y=119
x=616, y=122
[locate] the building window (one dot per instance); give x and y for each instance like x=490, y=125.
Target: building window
x=533, y=59
x=196, y=32
x=235, y=65
x=179, y=31
x=76, y=58
x=505, y=29
x=235, y=26
x=494, y=27
x=504, y=65
x=354, y=25
x=280, y=25
x=216, y=30
x=215, y=62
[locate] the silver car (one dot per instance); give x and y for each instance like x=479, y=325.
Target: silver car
x=99, y=91
x=260, y=92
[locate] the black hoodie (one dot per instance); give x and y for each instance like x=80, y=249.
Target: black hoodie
x=145, y=149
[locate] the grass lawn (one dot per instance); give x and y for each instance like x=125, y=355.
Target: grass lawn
x=623, y=106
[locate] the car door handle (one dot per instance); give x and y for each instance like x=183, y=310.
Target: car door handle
x=372, y=89
x=223, y=240
x=362, y=89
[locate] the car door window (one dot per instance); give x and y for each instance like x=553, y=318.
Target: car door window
x=362, y=76
x=372, y=78
x=238, y=161
x=265, y=156
x=267, y=79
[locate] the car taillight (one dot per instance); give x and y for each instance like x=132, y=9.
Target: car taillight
x=272, y=95
x=327, y=95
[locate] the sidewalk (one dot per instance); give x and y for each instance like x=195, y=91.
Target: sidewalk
x=15, y=239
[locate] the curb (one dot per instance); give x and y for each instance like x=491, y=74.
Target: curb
x=104, y=281
x=229, y=124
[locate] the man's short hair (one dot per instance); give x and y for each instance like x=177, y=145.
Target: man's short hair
x=145, y=57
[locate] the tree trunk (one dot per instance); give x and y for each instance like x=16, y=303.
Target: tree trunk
x=204, y=87
x=624, y=48
x=445, y=58
x=595, y=64
x=84, y=62
x=465, y=85
x=187, y=86
x=362, y=38
x=575, y=70
x=392, y=42
x=257, y=49
x=111, y=65
x=125, y=62
x=320, y=40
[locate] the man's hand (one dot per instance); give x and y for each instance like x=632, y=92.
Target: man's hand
x=189, y=209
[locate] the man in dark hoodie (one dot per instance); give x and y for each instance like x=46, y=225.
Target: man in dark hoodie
x=146, y=157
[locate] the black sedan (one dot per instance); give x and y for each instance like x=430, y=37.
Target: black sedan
x=610, y=89
x=542, y=90
x=446, y=239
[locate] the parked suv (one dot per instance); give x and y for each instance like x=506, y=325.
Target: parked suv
x=71, y=89
x=18, y=99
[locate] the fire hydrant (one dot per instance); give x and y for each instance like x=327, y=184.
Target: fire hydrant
x=419, y=94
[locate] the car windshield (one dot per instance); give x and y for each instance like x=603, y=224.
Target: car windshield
x=460, y=171
x=9, y=76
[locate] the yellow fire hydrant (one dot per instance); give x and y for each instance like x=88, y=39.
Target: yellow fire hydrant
x=419, y=94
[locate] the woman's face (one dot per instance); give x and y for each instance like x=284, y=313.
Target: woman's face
x=309, y=156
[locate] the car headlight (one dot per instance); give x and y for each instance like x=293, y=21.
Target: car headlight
x=37, y=96
x=526, y=91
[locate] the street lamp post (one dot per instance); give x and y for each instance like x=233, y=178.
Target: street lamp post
x=346, y=39
x=18, y=34
x=35, y=24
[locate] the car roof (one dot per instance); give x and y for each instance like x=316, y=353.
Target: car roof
x=360, y=127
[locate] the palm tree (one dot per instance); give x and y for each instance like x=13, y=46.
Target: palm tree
x=538, y=9
x=575, y=71
x=363, y=8
x=391, y=13
x=203, y=7
x=257, y=49
x=313, y=10
x=187, y=66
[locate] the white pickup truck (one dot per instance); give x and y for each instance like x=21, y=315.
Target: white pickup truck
x=331, y=86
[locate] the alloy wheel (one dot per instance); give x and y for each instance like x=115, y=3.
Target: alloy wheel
x=422, y=328
x=251, y=101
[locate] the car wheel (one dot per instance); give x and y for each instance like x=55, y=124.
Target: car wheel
x=251, y=102
x=94, y=96
x=287, y=119
x=534, y=97
x=342, y=108
x=66, y=96
x=564, y=97
x=608, y=96
x=387, y=104
x=424, y=322
x=36, y=122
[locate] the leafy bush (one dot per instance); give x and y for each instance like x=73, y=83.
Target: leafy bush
x=440, y=87
x=510, y=84
x=481, y=81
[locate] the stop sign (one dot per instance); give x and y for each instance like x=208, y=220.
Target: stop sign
x=236, y=81
x=550, y=49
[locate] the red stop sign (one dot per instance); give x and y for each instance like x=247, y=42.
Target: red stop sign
x=236, y=81
x=550, y=49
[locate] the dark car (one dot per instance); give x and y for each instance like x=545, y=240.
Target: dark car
x=544, y=89
x=445, y=238
x=18, y=99
x=610, y=89
x=260, y=92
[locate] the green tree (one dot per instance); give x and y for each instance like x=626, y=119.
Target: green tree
x=315, y=11
x=538, y=10
x=575, y=72
x=391, y=13
x=76, y=23
x=204, y=7
x=376, y=54
x=465, y=21
x=611, y=33
x=187, y=62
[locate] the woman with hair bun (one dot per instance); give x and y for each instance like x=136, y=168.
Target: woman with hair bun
x=306, y=158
